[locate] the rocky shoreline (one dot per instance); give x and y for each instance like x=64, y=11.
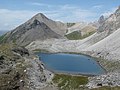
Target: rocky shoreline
x=110, y=78
x=111, y=74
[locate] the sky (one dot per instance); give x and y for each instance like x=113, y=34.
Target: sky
x=15, y=12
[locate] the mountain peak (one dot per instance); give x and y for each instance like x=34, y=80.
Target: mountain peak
x=39, y=27
x=101, y=20
x=119, y=7
x=118, y=11
x=40, y=16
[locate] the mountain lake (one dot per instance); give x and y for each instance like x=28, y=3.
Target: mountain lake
x=71, y=63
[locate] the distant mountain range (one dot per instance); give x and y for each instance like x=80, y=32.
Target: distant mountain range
x=39, y=27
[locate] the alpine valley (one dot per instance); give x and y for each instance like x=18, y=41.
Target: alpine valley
x=22, y=69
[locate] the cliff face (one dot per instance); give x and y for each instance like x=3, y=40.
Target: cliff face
x=111, y=23
x=21, y=70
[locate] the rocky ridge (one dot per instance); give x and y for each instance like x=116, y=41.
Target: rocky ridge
x=111, y=23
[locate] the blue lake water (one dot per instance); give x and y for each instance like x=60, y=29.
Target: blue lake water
x=71, y=63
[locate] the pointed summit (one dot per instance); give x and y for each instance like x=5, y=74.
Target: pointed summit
x=40, y=16
x=101, y=20
x=112, y=23
x=118, y=11
x=58, y=27
x=39, y=27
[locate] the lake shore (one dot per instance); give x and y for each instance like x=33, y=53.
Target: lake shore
x=94, y=80
x=74, y=73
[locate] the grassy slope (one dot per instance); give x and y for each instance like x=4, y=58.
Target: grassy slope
x=76, y=35
x=68, y=82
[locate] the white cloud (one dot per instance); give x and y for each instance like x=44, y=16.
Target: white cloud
x=40, y=4
x=68, y=7
x=97, y=6
x=70, y=13
x=12, y=18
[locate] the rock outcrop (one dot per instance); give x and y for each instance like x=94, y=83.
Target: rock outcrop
x=21, y=70
x=111, y=23
x=101, y=20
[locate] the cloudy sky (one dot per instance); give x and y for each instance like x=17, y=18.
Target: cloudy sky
x=16, y=12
